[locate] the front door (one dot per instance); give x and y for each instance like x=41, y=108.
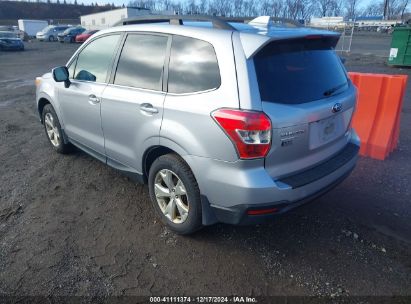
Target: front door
x=80, y=104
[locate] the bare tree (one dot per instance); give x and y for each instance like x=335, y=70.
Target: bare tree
x=351, y=7
x=325, y=7
x=278, y=8
x=374, y=9
x=396, y=8
x=403, y=7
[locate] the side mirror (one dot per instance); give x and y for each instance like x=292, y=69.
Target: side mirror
x=61, y=74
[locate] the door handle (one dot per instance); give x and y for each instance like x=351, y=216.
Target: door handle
x=93, y=99
x=148, y=108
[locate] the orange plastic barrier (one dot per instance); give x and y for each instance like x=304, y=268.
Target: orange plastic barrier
x=377, y=117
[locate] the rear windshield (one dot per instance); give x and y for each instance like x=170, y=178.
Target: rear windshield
x=299, y=70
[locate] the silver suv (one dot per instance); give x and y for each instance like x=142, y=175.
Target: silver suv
x=226, y=122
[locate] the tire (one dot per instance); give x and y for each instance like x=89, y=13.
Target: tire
x=188, y=217
x=51, y=38
x=53, y=130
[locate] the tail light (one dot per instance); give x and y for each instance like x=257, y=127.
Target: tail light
x=249, y=131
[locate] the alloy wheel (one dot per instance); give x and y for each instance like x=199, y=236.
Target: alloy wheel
x=52, y=130
x=171, y=196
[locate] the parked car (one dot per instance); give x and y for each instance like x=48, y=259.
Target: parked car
x=15, y=29
x=10, y=42
x=225, y=122
x=85, y=35
x=69, y=35
x=50, y=32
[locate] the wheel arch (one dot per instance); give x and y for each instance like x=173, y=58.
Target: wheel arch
x=40, y=106
x=150, y=155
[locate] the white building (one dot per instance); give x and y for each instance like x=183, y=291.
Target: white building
x=107, y=19
x=328, y=22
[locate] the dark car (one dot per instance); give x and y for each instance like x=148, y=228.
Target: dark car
x=85, y=35
x=10, y=41
x=69, y=35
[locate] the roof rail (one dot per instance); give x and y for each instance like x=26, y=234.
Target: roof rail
x=273, y=20
x=176, y=20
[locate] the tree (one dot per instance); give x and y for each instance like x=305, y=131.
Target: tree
x=325, y=7
x=374, y=9
x=351, y=7
x=404, y=5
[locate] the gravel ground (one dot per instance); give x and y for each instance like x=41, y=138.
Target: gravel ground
x=69, y=225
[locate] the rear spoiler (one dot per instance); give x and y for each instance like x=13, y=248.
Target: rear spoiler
x=252, y=43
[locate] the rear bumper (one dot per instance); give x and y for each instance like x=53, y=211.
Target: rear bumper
x=238, y=215
x=229, y=190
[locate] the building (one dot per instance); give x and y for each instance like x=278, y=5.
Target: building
x=327, y=22
x=103, y=20
x=374, y=22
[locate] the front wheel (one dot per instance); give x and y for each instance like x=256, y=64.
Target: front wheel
x=175, y=194
x=53, y=130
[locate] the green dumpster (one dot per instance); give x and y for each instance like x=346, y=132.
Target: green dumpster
x=400, y=52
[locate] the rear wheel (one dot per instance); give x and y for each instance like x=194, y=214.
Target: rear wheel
x=53, y=130
x=175, y=194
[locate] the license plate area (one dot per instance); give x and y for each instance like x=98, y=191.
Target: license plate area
x=326, y=130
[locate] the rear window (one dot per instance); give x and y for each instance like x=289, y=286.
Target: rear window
x=299, y=70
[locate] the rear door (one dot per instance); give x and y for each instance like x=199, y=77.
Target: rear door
x=305, y=91
x=132, y=105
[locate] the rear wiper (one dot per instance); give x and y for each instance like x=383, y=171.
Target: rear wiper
x=334, y=89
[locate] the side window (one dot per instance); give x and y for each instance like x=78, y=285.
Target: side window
x=193, y=66
x=141, y=62
x=93, y=62
x=71, y=68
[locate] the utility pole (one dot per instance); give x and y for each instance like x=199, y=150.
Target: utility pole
x=386, y=9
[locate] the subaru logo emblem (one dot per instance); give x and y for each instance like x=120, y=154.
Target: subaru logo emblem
x=337, y=108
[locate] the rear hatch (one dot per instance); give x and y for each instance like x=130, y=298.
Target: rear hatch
x=306, y=92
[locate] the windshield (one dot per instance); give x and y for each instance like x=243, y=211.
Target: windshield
x=67, y=31
x=298, y=71
x=47, y=28
x=7, y=35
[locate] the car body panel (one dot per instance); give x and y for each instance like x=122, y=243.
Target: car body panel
x=84, y=36
x=82, y=119
x=126, y=126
